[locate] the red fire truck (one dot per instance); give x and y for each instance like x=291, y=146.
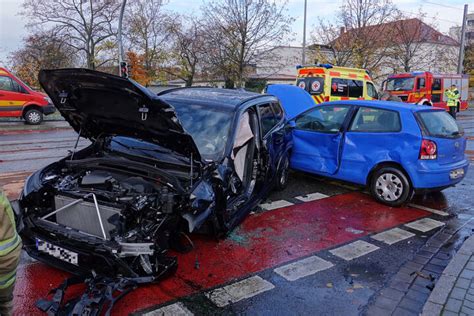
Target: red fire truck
x=423, y=87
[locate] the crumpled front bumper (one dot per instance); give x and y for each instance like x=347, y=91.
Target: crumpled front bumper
x=93, y=254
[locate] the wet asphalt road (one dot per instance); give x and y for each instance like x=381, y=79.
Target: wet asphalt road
x=346, y=289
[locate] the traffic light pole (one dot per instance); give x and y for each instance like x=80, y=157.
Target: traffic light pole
x=463, y=39
x=119, y=37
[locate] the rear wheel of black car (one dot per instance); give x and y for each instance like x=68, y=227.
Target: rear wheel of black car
x=390, y=186
x=282, y=174
x=33, y=117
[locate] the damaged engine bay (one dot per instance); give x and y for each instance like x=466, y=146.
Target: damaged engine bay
x=110, y=220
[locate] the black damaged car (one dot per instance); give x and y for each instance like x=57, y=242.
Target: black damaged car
x=159, y=167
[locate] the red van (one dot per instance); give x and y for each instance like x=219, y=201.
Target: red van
x=19, y=100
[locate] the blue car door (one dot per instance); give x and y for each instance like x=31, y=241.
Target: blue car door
x=318, y=139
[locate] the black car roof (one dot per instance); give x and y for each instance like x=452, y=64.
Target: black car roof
x=226, y=98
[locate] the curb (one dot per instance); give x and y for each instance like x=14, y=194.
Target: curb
x=445, y=284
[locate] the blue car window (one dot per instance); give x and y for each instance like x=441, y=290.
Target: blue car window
x=375, y=121
x=439, y=124
x=328, y=119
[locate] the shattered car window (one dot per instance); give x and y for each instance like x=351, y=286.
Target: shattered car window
x=208, y=126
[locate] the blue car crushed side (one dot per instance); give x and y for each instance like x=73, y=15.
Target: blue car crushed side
x=353, y=156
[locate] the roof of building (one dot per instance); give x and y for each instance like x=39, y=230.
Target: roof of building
x=397, y=32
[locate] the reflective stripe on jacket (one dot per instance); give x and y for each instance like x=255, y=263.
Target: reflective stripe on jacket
x=10, y=244
x=453, y=97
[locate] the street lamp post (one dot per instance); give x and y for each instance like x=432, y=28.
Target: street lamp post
x=119, y=37
x=303, y=57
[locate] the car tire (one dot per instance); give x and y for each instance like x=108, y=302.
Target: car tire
x=33, y=117
x=390, y=186
x=282, y=173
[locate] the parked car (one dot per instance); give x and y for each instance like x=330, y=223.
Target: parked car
x=393, y=148
x=187, y=160
x=19, y=100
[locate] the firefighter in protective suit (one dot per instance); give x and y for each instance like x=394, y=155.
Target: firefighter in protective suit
x=453, y=98
x=10, y=249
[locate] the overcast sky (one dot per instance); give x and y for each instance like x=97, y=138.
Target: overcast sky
x=444, y=13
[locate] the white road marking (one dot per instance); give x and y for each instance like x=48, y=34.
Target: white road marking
x=428, y=209
x=354, y=250
x=424, y=225
x=275, y=204
x=238, y=291
x=302, y=268
x=311, y=197
x=392, y=236
x=176, y=309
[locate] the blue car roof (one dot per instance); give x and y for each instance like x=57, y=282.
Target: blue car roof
x=388, y=105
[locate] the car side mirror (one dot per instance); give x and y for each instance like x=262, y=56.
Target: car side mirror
x=291, y=124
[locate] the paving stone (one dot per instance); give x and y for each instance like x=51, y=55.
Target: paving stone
x=449, y=313
x=431, y=249
x=392, y=293
x=456, y=265
x=458, y=293
x=439, y=262
x=411, y=304
x=377, y=311
x=468, y=304
x=386, y=303
x=434, y=268
x=403, y=312
x=468, y=274
x=471, y=291
x=414, y=266
x=453, y=305
x=425, y=254
x=422, y=289
x=467, y=310
x=470, y=264
x=421, y=260
x=399, y=285
x=463, y=283
x=417, y=295
x=470, y=297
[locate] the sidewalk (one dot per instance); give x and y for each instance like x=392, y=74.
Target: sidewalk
x=454, y=291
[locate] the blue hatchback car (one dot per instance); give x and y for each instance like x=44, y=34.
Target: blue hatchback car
x=394, y=148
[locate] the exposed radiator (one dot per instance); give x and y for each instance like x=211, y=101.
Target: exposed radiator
x=83, y=216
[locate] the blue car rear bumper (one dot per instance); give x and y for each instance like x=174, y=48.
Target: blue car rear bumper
x=431, y=174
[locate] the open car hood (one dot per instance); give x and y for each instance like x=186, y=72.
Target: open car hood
x=96, y=103
x=293, y=99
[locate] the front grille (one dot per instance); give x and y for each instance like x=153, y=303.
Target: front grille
x=83, y=216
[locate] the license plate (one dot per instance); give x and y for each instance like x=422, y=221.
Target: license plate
x=454, y=174
x=57, y=252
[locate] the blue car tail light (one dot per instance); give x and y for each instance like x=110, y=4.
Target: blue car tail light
x=428, y=150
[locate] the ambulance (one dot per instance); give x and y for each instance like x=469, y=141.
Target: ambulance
x=326, y=82
x=19, y=100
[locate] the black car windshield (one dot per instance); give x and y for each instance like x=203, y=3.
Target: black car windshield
x=400, y=84
x=209, y=126
x=440, y=124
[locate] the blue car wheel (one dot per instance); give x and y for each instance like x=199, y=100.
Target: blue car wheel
x=390, y=186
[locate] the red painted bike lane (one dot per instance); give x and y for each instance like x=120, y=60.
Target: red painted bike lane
x=262, y=241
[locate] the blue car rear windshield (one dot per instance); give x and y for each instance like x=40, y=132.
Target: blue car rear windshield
x=439, y=124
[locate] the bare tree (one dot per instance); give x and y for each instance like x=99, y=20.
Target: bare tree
x=239, y=30
x=147, y=28
x=83, y=24
x=43, y=50
x=188, y=49
x=358, y=38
